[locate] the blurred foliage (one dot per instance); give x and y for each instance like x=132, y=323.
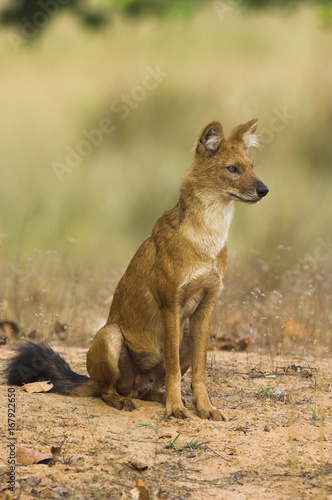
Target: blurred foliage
x=181, y=8
x=326, y=13
x=97, y=13
x=27, y=13
x=280, y=3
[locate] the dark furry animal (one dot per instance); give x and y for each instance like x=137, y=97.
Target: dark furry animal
x=36, y=362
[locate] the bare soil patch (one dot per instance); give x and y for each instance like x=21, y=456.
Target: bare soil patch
x=276, y=442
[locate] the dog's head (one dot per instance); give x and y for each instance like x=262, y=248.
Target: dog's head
x=222, y=163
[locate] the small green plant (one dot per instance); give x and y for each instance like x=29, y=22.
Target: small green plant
x=314, y=416
x=148, y=424
x=194, y=444
x=266, y=392
x=171, y=444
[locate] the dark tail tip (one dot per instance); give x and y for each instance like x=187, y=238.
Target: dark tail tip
x=35, y=362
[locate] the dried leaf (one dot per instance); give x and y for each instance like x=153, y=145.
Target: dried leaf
x=10, y=329
x=242, y=429
x=27, y=456
x=137, y=464
x=225, y=344
x=231, y=344
x=56, y=450
x=43, y=386
x=140, y=492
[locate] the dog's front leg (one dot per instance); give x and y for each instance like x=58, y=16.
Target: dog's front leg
x=199, y=325
x=174, y=405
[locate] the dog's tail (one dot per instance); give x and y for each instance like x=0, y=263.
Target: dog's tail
x=36, y=362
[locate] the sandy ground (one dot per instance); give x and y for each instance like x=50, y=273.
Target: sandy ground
x=270, y=446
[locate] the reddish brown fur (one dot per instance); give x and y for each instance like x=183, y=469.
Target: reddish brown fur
x=159, y=322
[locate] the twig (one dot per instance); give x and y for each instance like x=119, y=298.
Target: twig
x=276, y=374
x=214, y=451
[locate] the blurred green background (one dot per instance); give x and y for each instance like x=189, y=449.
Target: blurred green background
x=149, y=75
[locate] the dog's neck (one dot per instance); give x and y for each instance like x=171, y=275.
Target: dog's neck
x=206, y=218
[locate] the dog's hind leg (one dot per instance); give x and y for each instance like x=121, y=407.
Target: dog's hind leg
x=103, y=360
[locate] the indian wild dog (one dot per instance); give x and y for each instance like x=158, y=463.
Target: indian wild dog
x=159, y=322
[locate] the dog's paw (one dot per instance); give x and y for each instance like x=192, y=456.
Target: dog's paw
x=210, y=413
x=177, y=412
x=128, y=404
x=119, y=402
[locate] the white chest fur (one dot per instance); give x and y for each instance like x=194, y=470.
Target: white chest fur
x=210, y=233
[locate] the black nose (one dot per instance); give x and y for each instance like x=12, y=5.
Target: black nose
x=262, y=190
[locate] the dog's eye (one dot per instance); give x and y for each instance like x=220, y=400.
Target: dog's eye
x=233, y=169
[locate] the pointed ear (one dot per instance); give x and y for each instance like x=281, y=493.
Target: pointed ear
x=246, y=134
x=210, y=138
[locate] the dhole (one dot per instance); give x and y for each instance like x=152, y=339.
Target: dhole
x=159, y=322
